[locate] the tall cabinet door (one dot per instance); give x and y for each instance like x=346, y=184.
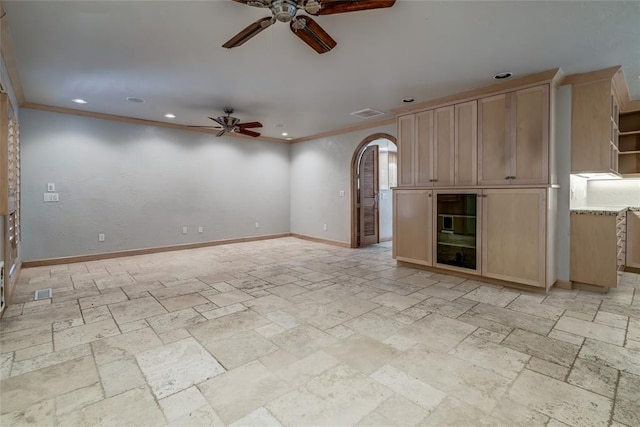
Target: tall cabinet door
x=412, y=220
x=514, y=235
x=406, y=148
x=493, y=143
x=466, y=143
x=423, y=150
x=443, y=146
x=530, y=136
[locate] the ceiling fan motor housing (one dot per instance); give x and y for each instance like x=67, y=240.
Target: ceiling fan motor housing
x=284, y=10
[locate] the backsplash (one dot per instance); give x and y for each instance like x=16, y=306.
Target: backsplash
x=613, y=192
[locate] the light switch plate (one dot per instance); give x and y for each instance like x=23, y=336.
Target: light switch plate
x=51, y=197
x=51, y=187
x=341, y=193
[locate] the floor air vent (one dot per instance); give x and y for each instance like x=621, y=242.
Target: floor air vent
x=42, y=294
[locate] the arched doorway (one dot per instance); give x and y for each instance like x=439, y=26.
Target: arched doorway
x=374, y=172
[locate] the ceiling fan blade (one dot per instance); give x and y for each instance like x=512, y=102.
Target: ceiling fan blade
x=248, y=132
x=205, y=127
x=249, y=32
x=250, y=125
x=330, y=7
x=310, y=32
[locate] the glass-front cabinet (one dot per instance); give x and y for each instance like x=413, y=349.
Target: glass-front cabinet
x=456, y=225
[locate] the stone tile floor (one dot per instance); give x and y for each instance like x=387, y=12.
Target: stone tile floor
x=289, y=332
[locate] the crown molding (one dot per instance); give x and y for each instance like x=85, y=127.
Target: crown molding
x=346, y=130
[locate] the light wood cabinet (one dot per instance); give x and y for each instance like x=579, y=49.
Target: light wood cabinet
x=514, y=227
x=406, y=148
x=466, y=144
x=633, y=239
x=423, y=157
x=442, y=170
x=594, y=128
x=412, y=226
x=597, y=248
x=513, y=141
x=629, y=144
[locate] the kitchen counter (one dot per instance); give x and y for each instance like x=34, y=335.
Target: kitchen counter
x=602, y=210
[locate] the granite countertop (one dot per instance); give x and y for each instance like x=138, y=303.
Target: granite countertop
x=603, y=210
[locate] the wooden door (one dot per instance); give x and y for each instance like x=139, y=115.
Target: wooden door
x=530, y=136
x=368, y=196
x=466, y=143
x=513, y=235
x=406, y=148
x=423, y=149
x=412, y=226
x=443, y=147
x=493, y=140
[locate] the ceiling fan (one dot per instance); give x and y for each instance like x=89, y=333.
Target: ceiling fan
x=230, y=124
x=302, y=26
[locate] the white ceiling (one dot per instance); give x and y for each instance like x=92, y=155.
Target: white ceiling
x=169, y=53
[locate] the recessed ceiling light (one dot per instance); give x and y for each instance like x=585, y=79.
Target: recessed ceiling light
x=135, y=99
x=79, y=101
x=503, y=75
x=170, y=116
x=284, y=134
x=408, y=100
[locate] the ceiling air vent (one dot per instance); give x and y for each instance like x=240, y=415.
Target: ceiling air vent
x=367, y=113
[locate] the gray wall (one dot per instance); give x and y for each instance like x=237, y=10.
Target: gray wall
x=320, y=169
x=141, y=184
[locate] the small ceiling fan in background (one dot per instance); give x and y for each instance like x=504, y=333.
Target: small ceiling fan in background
x=230, y=124
x=302, y=26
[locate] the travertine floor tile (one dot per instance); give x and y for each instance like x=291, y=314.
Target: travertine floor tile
x=313, y=334
x=571, y=405
x=21, y=391
x=141, y=308
x=339, y=396
x=177, y=366
x=135, y=408
x=84, y=334
x=240, y=391
x=240, y=349
x=125, y=345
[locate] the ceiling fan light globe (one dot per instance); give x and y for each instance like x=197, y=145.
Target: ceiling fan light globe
x=312, y=7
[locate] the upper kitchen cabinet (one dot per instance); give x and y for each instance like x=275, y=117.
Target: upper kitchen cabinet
x=594, y=128
x=513, y=143
x=605, y=135
x=466, y=144
x=406, y=150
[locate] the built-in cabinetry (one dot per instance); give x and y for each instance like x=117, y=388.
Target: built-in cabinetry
x=633, y=239
x=594, y=128
x=438, y=146
x=506, y=234
x=476, y=183
x=629, y=143
x=605, y=129
x=412, y=226
x=598, y=245
x=513, y=142
x=515, y=235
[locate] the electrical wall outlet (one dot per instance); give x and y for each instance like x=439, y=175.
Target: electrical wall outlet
x=324, y=227
x=257, y=225
x=184, y=230
x=101, y=237
x=51, y=197
x=200, y=229
x=341, y=193
x=51, y=187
